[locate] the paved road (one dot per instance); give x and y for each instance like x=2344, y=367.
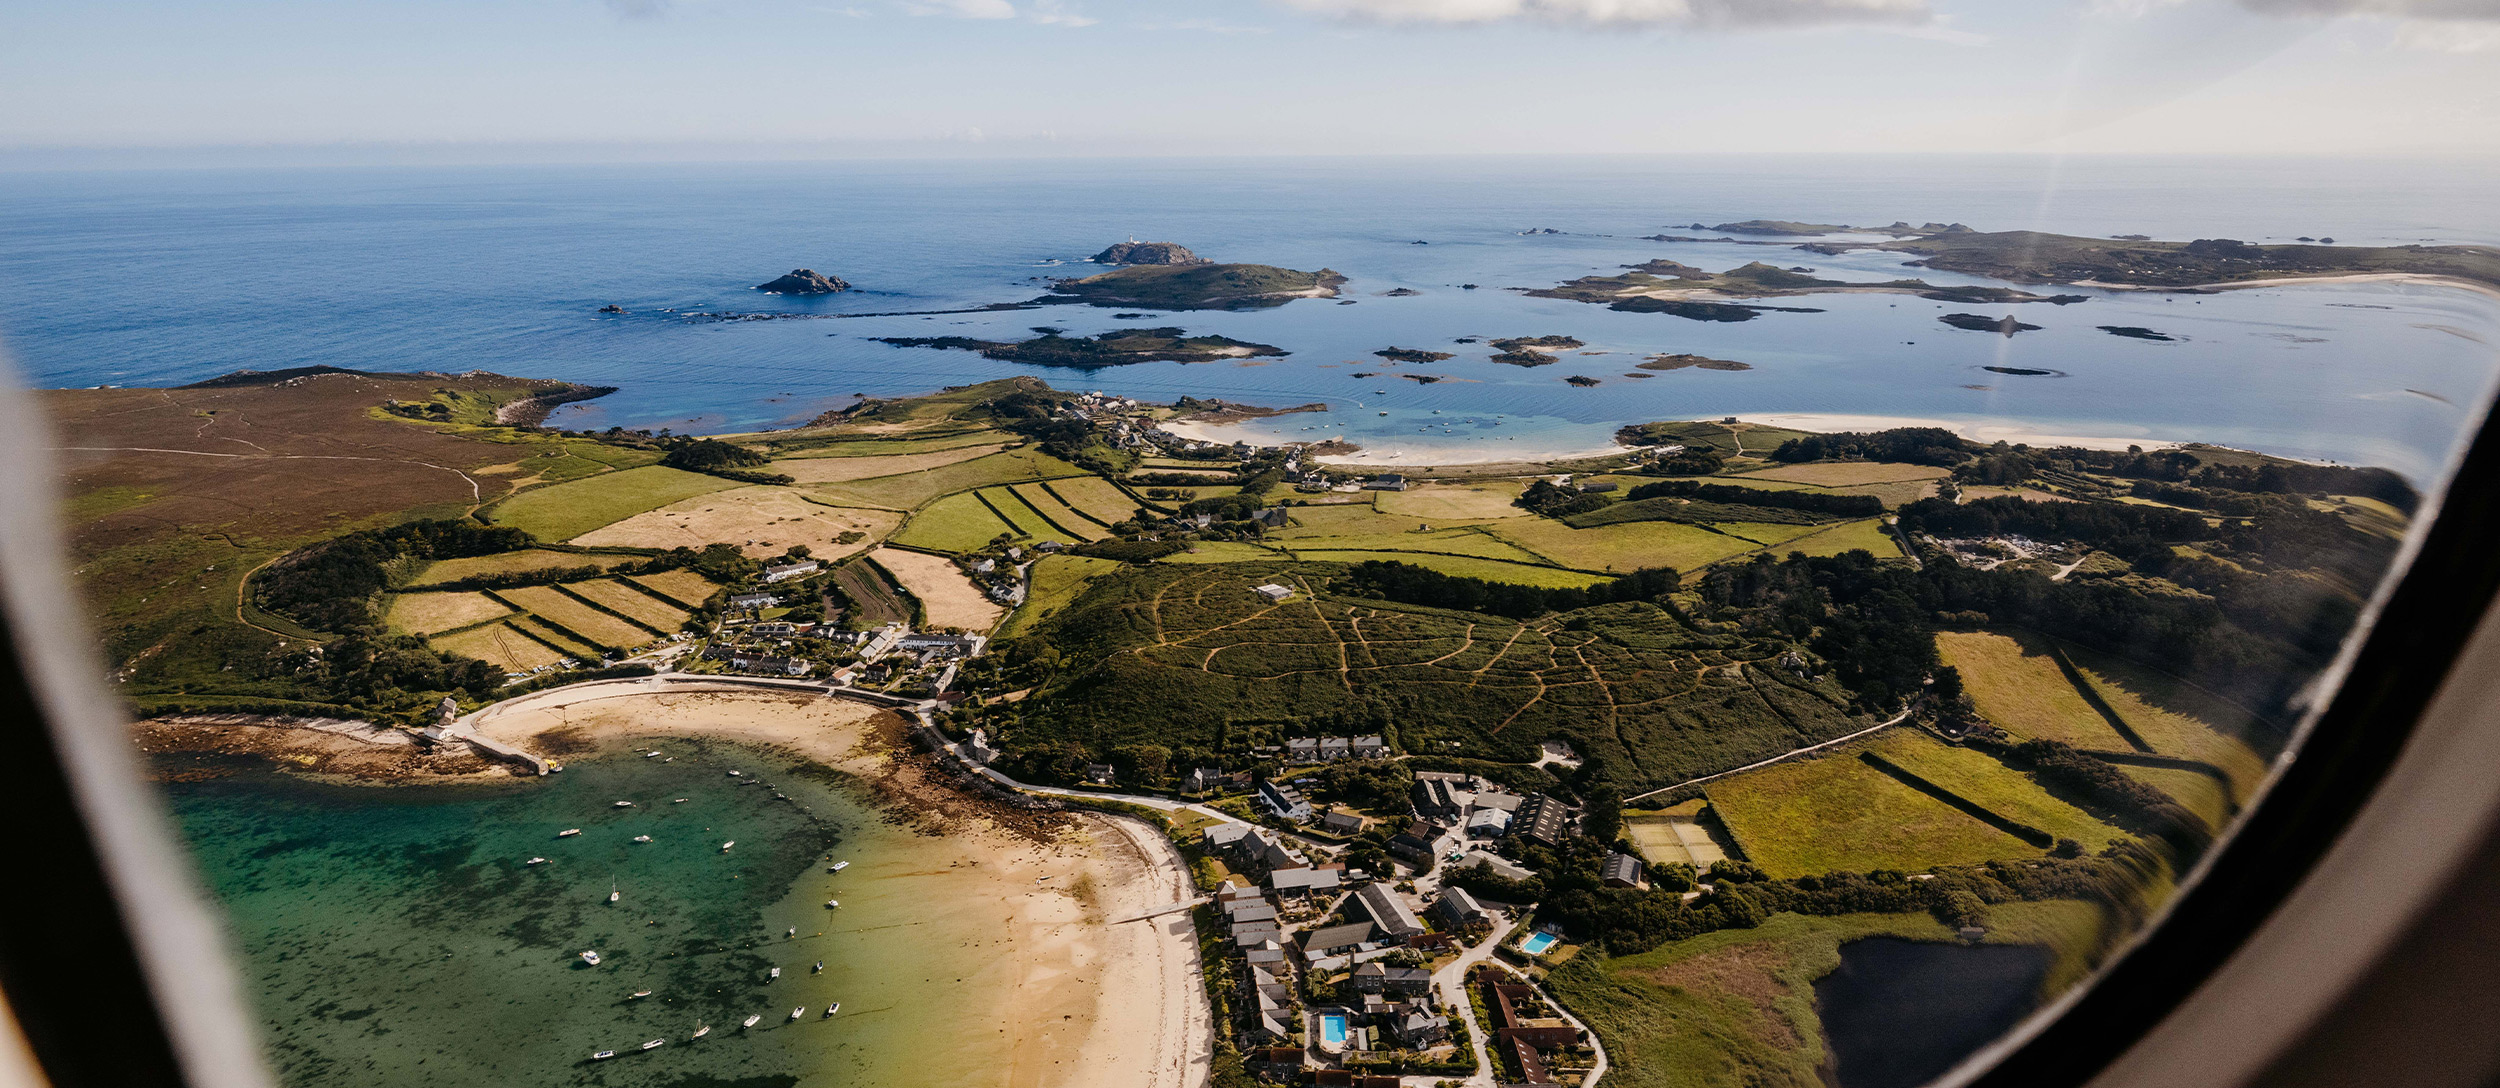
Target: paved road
x=1451, y=982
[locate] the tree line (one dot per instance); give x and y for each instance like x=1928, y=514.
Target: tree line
x=1390, y=580
x=1820, y=502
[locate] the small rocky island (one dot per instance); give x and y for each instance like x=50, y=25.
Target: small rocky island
x=1118, y=347
x=804, y=281
x=1984, y=323
x=1136, y=252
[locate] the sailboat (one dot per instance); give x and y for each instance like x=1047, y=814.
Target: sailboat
x=653, y=1043
x=832, y=903
x=724, y=847
x=538, y=861
x=640, y=994
x=750, y=1021
x=623, y=804
x=613, y=894
x=702, y=1031
x=820, y=968
x=642, y=838
x=776, y=973
x=568, y=832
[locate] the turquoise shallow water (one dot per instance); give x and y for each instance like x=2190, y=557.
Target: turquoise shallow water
x=396, y=936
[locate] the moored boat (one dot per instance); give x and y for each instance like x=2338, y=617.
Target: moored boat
x=640, y=994
x=773, y=974
x=642, y=838
x=653, y=1043
x=839, y=866
x=750, y=1021
x=832, y=903
x=724, y=847
x=538, y=861
x=568, y=832
x=798, y=1012
x=591, y=957
x=603, y=1055
x=623, y=804
x=820, y=967
x=702, y=1031
x=832, y=1009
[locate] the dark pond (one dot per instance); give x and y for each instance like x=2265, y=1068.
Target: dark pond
x=1899, y=1013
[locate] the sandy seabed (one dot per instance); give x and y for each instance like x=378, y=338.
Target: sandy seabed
x=1081, y=990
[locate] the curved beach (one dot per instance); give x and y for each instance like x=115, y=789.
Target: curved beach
x=1092, y=1002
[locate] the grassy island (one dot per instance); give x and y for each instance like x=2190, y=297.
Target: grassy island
x=1200, y=286
x=1115, y=348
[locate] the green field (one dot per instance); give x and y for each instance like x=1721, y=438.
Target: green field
x=913, y=489
x=568, y=510
x=452, y=570
x=1097, y=498
x=1185, y=654
x=1491, y=570
x=2014, y=683
x=1622, y=548
x=1223, y=551
x=1735, y=1008
x=1867, y=534
x=1056, y=581
x=2177, y=719
x=1979, y=777
x=1833, y=813
x=1462, y=541
x=803, y=444
x=1059, y=516
x=2198, y=792
x=956, y=523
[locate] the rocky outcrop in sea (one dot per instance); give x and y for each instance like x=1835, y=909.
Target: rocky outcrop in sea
x=804, y=281
x=1148, y=253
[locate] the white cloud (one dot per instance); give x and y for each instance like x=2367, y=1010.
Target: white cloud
x=1055, y=13
x=2420, y=9
x=2442, y=36
x=963, y=9
x=1621, y=13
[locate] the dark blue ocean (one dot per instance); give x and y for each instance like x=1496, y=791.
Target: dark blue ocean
x=165, y=277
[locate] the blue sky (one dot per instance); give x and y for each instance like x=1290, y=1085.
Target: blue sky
x=734, y=78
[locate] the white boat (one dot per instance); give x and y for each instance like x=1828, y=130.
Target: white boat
x=839, y=866
x=591, y=957
x=776, y=973
x=651, y=753
x=653, y=1043
x=703, y=1031
x=750, y=1021
x=613, y=894
x=820, y=967
x=832, y=903
x=724, y=847
x=568, y=832
x=623, y=804
x=640, y=994
x=734, y=774
x=832, y=1009
x=678, y=801
x=794, y=931
x=538, y=861
x=603, y=1055
x=642, y=838
x=798, y=1012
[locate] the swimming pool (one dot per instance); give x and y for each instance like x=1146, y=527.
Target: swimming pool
x=1332, y=1030
x=1537, y=943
